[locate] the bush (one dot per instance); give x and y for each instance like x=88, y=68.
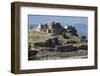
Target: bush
x=72, y=30
x=84, y=38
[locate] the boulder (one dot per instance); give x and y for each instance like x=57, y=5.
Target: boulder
x=32, y=53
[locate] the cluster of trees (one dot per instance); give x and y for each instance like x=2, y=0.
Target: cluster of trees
x=72, y=30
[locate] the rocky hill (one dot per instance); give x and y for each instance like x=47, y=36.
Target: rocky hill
x=52, y=40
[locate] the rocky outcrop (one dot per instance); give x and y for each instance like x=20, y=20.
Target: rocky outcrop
x=83, y=47
x=32, y=53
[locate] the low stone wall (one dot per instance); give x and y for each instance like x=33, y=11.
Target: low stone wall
x=46, y=55
x=48, y=43
x=66, y=48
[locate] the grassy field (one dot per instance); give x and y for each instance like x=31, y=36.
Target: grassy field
x=37, y=36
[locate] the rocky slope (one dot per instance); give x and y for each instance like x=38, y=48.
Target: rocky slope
x=55, y=45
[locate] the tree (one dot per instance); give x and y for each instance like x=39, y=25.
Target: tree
x=72, y=30
x=83, y=38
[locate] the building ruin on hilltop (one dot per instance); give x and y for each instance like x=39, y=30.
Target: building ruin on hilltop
x=51, y=27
